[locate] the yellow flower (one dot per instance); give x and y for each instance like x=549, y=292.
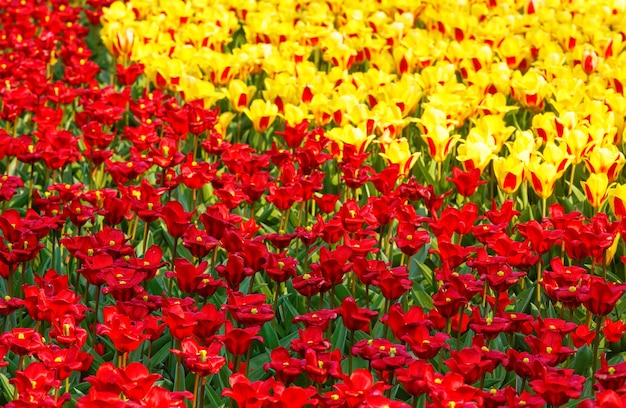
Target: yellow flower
x=120, y=40
x=607, y=160
x=261, y=114
x=193, y=89
x=495, y=104
x=223, y=121
x=530, y=89
x=348, y=134
x=494, y=126
x=596, y=189
x=238, y=93
x=476, y=151
x=542, y=176
x=321, y=109
x=439, y=142
x=389, y=119
x=544, y=125
x=294, y=115
x=338, y=51
x=398, y=152
x=556, y=155
x=577, y=142
x=405, y=94
x=281, y=90
x=509, y=173
x=617, y=200
x=523, y=146
x=514, y=50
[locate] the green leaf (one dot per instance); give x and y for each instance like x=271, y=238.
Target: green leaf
x=582, y=360
x=8, y=391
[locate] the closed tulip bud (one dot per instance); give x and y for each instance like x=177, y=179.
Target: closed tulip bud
x=617, y=200
x=596, y=189
x=542, y=177
x=509, y=173
x=261, y=114
x=440, y=142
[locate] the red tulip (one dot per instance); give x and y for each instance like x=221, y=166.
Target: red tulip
x=558, y=386
x=355, y=318
x=200, y=360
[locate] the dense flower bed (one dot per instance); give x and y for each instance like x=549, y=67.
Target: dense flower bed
x=272, y=204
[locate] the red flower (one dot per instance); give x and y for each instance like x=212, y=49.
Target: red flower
x=34, y=382
x=193, y=279
x=249, y=310
x=64, y=360
x=613, y=330
x=359, y=386
x=200, y=360
x=238, y=341
x=611, y=377
x=466, y=183
x=355, y=318
x=470, y=363
x=125, y=335
x=600, y=296
x=287, y=368
x=410, y=239
x=582, y=335
x=412, y=377
x=176, y=218
x=558, y=386
x=321, y=365
x=234, y=272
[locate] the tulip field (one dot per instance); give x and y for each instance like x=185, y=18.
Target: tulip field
x=312, y=203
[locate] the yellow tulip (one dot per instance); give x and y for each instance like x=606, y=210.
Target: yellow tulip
x=405, y=94
x=294, y=115
x=617, y=200
x=476, y=151
x=577, y=142
x=193, y=89
x=281, y=90
x=494, y=126
x=596, y=189
x=523, y=146
x=120, y=40
x=261, y=114
x=348, y=134
x=321, y=109
x=509, y=173
x=439, y=142
x=544, y=125
x=530, y=89
x=495, y=104
x=433, y=117
x=238, y=93
x=514, y=50
x=542, y=176
x=607, y=160
x=556, y=155
x=398, y=152
x=223, y=121
x=389, y=118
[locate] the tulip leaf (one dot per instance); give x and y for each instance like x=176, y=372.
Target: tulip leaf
x=423, y=299
x=525, y=297
x=8, y=390
x=338, y=338
x=213, y=397
x=582, y=360
x=269, y=335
